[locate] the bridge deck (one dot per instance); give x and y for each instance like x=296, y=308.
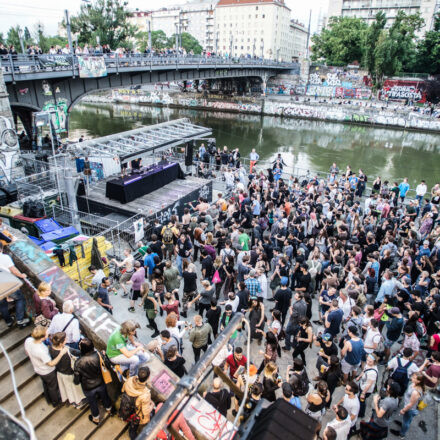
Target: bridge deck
x=166, y=201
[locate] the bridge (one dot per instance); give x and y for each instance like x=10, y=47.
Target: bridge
x=57, y=82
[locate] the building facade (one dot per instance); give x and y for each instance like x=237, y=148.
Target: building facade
x=299, y=40
x=254, y=27
x=196, y=18
x=367, y=9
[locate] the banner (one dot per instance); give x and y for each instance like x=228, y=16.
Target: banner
x=138, y=230
x=91, y=67
x=55, y=60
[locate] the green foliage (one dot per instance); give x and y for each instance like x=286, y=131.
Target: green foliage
x=2, y=38
x=159, y=40
x=371, y=39
x=188, y=43
x=395, y=49
x=342, y=42
x=45, y=42
x=13, y=37
x=106, y=19
x=429, y=49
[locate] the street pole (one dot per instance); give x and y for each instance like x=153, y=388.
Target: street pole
x=307, y=53
x=253, y=48
x=232, y=46
x=69, y=32
x=150, y=48
x=177, y=38
x=262, y=49
x=20, y=36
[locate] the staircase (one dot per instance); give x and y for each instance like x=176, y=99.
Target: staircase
x=66, y=422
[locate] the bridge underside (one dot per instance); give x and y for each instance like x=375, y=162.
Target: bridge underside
x=61, y=94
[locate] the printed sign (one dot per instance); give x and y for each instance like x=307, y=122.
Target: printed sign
x=163, y=383
x=138, y=230
x=91, y=67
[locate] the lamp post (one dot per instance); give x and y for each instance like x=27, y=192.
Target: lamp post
x=20, y=36
x=68, y=30
x=232, y=46
x=262, y=49
x=150, y=48
x=253, y=48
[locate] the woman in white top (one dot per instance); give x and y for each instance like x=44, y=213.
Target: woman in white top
x=262, y=278
x=176, y=328
x=43, y=364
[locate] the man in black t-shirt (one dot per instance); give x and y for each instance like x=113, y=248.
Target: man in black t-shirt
x=183, y=250
x=283, y=298
x=303, y=279
x=207, y=267
x=156, y=246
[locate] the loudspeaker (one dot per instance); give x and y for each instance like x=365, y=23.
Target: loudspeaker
x=282, y=421
x=189, y=153
x=33, y=209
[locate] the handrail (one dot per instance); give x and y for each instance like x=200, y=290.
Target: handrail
x=16, y=65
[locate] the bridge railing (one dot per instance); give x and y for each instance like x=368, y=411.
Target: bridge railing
x=24, y=64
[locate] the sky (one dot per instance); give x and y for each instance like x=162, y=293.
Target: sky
x=50, y=12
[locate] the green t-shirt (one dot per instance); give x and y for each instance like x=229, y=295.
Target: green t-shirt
x=115, y=342
x=243, y=239
x=143, y=250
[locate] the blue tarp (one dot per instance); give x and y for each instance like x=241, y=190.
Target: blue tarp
x=47, y=225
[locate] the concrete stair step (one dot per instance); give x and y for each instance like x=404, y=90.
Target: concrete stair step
x=112, y=429
x=59, y=422
x=29, y=393
x=39, y=411
x=18, y=357
x=14, y=337
x=23, y=374
x=82, y=428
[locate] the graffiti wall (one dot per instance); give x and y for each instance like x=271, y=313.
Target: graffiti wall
x=292, y=109
x=59, y=114
x=403, y=90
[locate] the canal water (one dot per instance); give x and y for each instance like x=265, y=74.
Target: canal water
x=310, y=145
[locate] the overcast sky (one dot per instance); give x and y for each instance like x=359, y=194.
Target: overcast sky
x=50, y=12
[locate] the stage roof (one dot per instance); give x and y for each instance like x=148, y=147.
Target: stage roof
x=142, y=141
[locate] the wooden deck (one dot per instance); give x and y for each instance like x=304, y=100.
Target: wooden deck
x=170, y=198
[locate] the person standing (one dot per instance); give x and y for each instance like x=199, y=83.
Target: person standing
x=219, y=397
x=403, y=189
x=87, y=373
x=297, y=311
x=367, y=383
x=254, y=158
x=136, y=281
x=352, y=353
x=43, y=364
x=138, y=399
x=351, y=403
x=421, y=190
x=283, y=298
x=411, y=399
x=127, y=264
x=183, y=251
x=67, y=323
x=198, y=336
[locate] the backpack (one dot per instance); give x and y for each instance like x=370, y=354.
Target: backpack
x=167, y=235
x=420, y=328
x=375, y=383
x=128, y=407
x=400, y=375
x=302, y=387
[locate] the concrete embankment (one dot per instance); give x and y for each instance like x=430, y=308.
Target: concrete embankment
x=363, y=114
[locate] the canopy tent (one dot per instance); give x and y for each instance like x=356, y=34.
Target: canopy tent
x=142, y=142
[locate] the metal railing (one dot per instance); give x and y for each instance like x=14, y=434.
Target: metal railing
x=30, y=64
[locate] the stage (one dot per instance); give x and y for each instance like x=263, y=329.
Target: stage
x=169, y=200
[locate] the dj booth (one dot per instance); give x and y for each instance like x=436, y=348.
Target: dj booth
x=128, y=188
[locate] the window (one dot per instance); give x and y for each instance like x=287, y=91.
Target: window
x=263, y=16
x=256, y=15
x=256, y=8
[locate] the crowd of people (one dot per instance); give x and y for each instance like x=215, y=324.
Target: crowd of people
x=321, y=264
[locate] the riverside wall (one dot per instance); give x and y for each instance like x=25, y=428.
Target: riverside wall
x=379, y=115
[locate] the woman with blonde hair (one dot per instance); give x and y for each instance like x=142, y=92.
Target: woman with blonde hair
x=43, y=364
x=45, y=307
x=176, y=328
x=271, y=381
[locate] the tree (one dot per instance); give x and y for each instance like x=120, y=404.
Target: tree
x=159, y=40
x=27, y=35
x=428, y=56
x=13, y=37
x=395, y=49
x=188, y=43
x=2, y=38
x=106, y=19
x=45, y=42
x=342, y=42
x=371, y=38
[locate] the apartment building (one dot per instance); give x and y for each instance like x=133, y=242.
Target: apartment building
x=367, y=9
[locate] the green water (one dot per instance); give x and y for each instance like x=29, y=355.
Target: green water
x=311, y=145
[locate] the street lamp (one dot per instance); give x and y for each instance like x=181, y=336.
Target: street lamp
x=262, y=49
x=278, y=55
x=253, y=48
x=149, y=37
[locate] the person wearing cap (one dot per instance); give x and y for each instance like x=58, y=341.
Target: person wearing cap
x=394, y=329
x=283, y=298
x=352, y=353
x=328, y=349
x=384, y=409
